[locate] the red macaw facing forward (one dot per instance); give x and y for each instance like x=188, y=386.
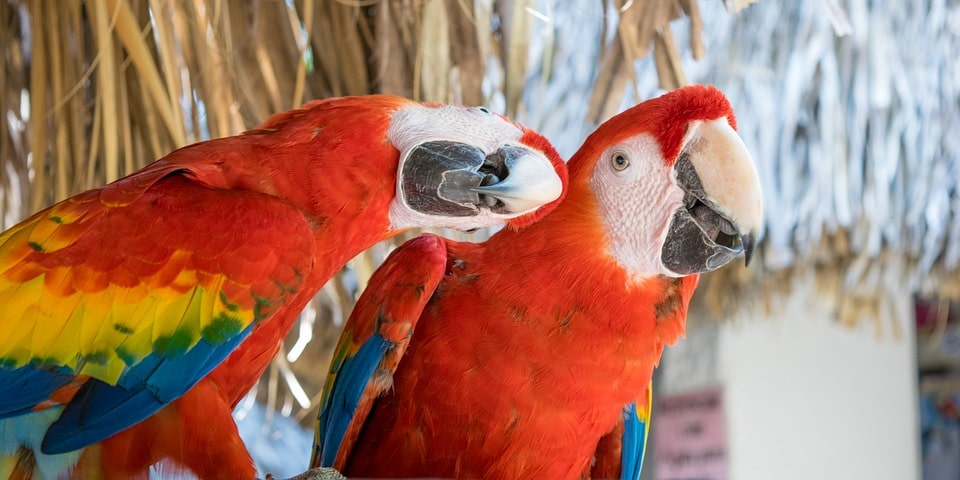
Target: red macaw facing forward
x=157, y=301
x=529, y=355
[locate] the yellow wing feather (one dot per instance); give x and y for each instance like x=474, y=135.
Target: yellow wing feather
x=74, y=317
x=96, y=288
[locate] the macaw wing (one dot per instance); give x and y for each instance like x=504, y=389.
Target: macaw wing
x=620, y=453
x=117, y=301
x=373, y=342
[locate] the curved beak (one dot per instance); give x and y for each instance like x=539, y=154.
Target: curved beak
x=722, y=214
x=456, y=179
x=527, y=184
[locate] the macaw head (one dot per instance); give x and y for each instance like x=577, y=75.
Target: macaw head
x=469, y=168
x=675, y=187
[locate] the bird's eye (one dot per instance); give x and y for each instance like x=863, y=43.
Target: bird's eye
x=619, y=161
x=484, y=110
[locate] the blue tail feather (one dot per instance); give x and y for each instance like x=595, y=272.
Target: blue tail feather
x=634, y=444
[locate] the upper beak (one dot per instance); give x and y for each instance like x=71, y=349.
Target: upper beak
x=456, y=179
x=722, y=214
x=529, y=182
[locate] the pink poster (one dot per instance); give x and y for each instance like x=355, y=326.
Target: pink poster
x=690, y=436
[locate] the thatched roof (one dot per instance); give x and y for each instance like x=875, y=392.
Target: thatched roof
x=850, y=114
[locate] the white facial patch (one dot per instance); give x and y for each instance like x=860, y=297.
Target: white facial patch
x=636, y=203
x=479, y=127
x=416, y=124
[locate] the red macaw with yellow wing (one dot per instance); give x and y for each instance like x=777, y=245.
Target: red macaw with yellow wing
x=157, y=301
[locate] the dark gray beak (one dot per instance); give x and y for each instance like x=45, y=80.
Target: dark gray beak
x=447, y=178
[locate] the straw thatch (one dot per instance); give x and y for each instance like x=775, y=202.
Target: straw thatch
x=849, y=112
x=100, y=88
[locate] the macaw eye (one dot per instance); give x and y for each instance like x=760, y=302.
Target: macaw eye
x=620, y=161
x=484, y=110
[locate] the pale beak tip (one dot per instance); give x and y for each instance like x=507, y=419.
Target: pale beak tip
x=531, y=183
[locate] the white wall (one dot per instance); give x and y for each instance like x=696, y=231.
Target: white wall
x=808, y=399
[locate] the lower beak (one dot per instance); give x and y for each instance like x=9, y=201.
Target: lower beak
x=699, y=242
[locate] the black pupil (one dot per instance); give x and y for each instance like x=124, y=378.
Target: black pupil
x=619, y=160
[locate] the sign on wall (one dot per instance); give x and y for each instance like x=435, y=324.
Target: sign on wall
x=690, y=436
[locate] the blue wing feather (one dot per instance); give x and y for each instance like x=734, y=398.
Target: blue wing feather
x=352, y=379
x=23, y=388
x=100, y=410
x=377, y=334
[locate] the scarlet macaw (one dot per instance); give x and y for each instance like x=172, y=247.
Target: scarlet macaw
x=530, y=355
x=118, y=301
